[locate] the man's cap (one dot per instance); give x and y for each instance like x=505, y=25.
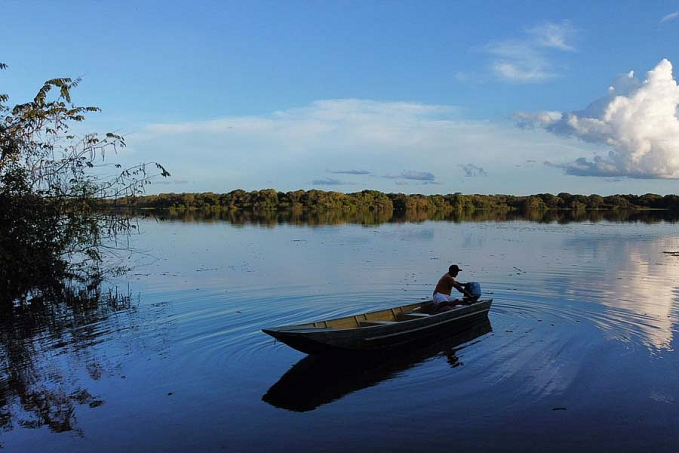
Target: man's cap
x=454, y=267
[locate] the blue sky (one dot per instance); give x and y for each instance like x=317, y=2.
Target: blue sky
x=415, y=97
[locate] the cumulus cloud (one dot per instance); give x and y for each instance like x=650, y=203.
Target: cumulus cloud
x=527, y=120
x=669, y=17
x=622, y=85
x=637, y=121
x=529, y=59
x=471, y=170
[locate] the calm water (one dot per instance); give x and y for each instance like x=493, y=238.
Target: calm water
x=578, y=354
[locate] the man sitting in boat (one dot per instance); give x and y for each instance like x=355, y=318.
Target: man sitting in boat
x=442, y=297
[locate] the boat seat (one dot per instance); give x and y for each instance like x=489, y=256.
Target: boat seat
x=412, y=315
x=375, y=323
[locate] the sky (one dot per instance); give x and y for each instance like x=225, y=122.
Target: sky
x=400, y=96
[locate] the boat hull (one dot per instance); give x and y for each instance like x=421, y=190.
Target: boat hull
x=324, y=340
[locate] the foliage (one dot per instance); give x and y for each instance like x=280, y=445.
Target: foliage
x=52, y=182
x=371, y=200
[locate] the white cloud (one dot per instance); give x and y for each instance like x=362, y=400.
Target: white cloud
x=290, y=149
x=669, y=17
x=637, y=121
x=527, y=120
x=553, y=35
x=526, y=71
x=529, y=59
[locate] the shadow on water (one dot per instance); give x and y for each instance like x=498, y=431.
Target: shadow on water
x=367, y=217
x=35, y=389
x=318, y=380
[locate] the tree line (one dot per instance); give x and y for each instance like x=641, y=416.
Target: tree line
x=375, y=201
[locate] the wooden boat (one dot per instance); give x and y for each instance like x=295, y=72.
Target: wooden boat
x=377, y=330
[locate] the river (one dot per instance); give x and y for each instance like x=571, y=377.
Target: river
x=578, y=354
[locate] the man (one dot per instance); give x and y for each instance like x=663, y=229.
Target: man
x=442, y=298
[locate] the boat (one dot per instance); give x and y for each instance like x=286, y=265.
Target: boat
x=378, y=330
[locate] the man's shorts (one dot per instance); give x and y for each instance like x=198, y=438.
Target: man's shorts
x=440, y=298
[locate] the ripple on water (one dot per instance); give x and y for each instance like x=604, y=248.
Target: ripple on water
x=577, y=308
x=225, y=329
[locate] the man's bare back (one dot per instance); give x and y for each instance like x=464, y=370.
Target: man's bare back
x=445, y=284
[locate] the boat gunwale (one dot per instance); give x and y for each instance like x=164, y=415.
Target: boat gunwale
x=309, y=328
x=430, y=325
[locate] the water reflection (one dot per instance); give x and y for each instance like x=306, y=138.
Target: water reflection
x=318, y=380
x=366, y=217
x=192, y=355
x=639, y=285
x=37, y=387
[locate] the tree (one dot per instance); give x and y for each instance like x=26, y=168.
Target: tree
x=595, y=201
x=52, y=185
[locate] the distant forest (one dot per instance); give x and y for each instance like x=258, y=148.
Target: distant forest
x=375, y=201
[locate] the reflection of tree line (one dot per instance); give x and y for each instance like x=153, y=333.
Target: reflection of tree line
x=367, y=217
x=34, y=391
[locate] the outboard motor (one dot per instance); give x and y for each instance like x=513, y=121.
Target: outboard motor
x=474, y=289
